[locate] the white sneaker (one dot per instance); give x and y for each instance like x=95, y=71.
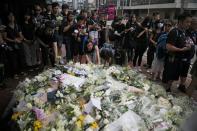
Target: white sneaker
x=148, y=71
x=139, y=69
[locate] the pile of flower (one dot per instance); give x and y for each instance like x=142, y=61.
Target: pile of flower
x=93, y=98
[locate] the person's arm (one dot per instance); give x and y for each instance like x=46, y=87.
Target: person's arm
x=66, y=28
x=97, y=55
x=172, y=48
x=141, y=33
x=88, y=59
x=152, y=41
x=171, y=40
x=21, y=35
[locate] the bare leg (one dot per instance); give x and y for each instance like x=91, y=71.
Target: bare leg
x=192, y=86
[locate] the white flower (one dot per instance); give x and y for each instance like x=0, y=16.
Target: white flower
x=29, y=105
x=88, y=119
x=74, y=119
x=146, y=87
x=89, y=129
x=98, y=117
x=61, y=95
x=106, y=121
x=178, y=109
x=58, y=107
x=73, y=96
x=106, y=113
x=53, y=129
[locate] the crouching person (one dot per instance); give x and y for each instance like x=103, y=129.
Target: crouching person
x=91, y=52
x=107, y=53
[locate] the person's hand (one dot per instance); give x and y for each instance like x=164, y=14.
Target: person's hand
x=146, y=29
x=17, y=40
x=71, y=23
x=186, y=48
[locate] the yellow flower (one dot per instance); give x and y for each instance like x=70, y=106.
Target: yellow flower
x=81, y=118
x=79, y=124
x=16, y=115
x=94, y=125
x=37, y=125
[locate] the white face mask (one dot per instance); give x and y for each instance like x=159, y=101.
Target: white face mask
x=160, y=25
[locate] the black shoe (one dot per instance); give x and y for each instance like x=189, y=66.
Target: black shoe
x=145, y=65
x=182, y=88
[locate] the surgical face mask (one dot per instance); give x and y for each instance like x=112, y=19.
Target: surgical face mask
x=160, y=25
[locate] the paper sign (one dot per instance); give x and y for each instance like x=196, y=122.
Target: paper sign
x=94, y=102
x=67, y=79
x=109, y=23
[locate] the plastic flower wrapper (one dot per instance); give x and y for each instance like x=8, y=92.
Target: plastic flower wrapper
x=124, y=122
x=63, y=107
x=158, y=90
x=40, y=115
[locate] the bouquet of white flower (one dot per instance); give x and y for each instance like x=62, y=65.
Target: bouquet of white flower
x=91, y=98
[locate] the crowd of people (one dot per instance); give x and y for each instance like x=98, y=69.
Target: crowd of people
x=50, y=36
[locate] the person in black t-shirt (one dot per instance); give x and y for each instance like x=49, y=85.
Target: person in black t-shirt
x=157, y=26
x=48, y=44
x=79, y=35
x=176, y=64
x=143, y=33
x=14, y=38
x=29, y=46
x=68, y=29
x=130, y=37
x=93, y=27
x=102, y=32
x=48, y=13
x=65, y=12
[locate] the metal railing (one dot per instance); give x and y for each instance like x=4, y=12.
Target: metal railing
x=142, y=2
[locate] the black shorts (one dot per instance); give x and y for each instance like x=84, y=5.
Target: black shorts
x=175, y=69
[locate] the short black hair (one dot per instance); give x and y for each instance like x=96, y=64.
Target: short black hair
x=80, y=17
x=55, y=4
x=183, y=16
x=65, y=6
x=156, y=13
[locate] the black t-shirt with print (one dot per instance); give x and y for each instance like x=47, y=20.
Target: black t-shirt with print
x=132, y=32
x=178, y=38
x=49, y=39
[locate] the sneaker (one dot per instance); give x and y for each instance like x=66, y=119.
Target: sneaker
x=139, y=69
x=182, y=88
